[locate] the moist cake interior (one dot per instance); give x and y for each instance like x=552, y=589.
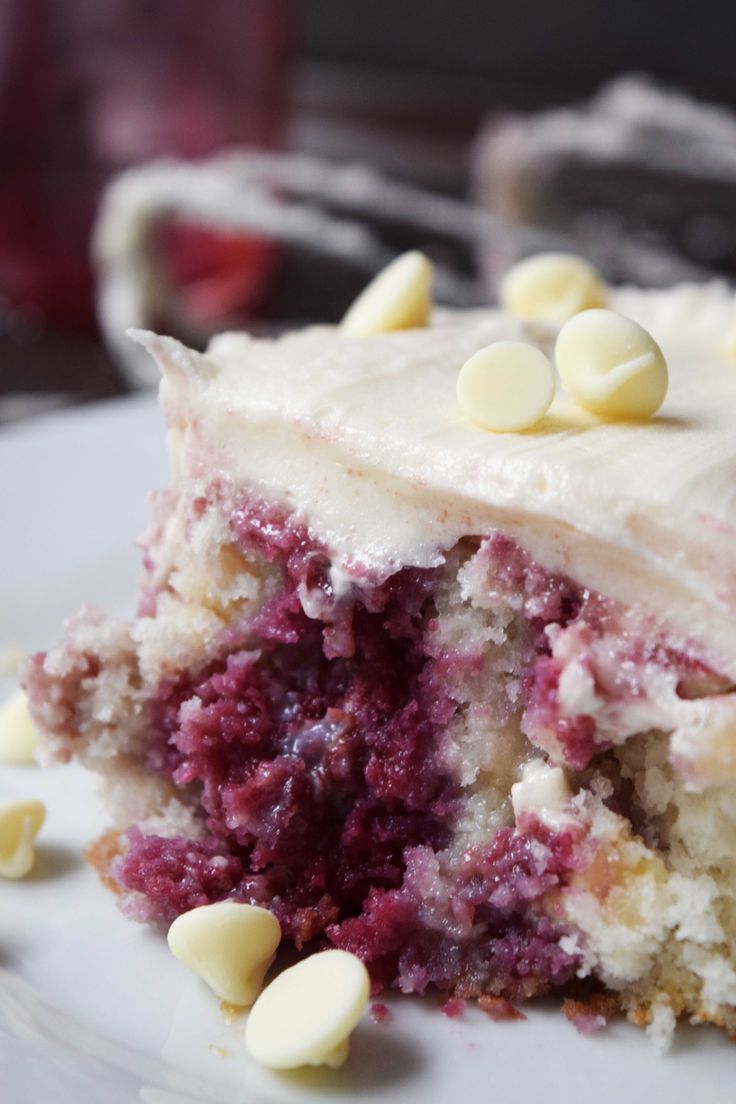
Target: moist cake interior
x=348, y=761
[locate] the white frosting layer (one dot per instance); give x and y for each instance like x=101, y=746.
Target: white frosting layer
x=363, y=439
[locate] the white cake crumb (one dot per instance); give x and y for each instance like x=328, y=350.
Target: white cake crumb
x=661, y=1027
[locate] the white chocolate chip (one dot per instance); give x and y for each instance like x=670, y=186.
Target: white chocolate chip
x=305, y=1016
x=730, y=343
x=10, y=656
x=20, y=823
x=398, y=298
x=551, y=287
x=506, y=386
x=229, y=945
x=542, y=791
x=19, y=736
x=611, y=365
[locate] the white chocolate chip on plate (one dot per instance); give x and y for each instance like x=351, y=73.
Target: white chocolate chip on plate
x=611, y=365
x=10, y=657
x=551, y=287
x=20, y=823
x=305, y=1016
x=507, y=386
x=730, y=343
x=19, y=736
x=398, y=298
x=229, y=945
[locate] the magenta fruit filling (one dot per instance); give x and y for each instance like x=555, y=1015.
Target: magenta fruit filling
x=314, y=762
x=475, y=927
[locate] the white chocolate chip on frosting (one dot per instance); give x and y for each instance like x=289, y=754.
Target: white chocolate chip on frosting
x=305, y=1016
x=19, y=736
x=398, y=298
x=611, y=365
x=551, y=287
x=506, y=387
x=20, y=823
x=229, y=945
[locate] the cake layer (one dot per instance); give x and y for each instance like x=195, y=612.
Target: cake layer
x=459, y=702
x=369, y=434
x=369, y=766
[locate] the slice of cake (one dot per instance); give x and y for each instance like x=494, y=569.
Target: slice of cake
x=460, y=702
x=641, y=176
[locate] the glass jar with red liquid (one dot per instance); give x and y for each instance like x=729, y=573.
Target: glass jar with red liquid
x=88, y=87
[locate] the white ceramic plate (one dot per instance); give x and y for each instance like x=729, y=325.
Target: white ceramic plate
x=92, y=1007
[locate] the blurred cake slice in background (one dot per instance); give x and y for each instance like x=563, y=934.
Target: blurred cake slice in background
x=262, y=240
x=641, y=179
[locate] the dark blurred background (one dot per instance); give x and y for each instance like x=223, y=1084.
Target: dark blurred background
x=431, y=69
x=446, y=95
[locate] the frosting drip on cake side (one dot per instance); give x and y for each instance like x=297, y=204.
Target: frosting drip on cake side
x=368, y=433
